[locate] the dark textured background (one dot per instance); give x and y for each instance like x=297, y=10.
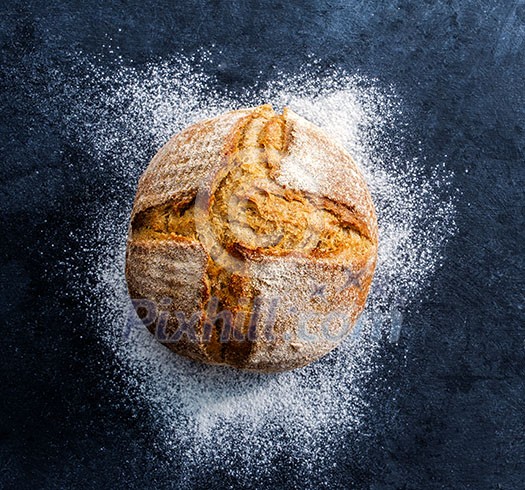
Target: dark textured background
x=461, y=413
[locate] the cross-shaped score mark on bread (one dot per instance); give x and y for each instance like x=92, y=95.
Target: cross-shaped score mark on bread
x=254, y=204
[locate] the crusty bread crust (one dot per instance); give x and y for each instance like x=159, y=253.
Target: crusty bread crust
x=262, y=230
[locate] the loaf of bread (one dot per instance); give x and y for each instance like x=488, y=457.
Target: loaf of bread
x=252, y=243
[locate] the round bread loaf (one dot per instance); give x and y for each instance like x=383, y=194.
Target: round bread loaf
x=253, y=242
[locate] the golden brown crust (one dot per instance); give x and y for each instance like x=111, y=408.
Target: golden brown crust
x=260, y=219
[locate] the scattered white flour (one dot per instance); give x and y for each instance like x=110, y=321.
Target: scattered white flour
x=244, y=423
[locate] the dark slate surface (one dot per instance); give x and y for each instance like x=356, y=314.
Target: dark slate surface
x=461, y=413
